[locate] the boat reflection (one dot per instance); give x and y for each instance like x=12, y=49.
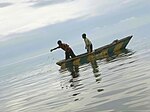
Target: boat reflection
x=92, y=61
x=79, y=81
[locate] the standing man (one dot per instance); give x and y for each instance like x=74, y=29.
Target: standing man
x=68, y=51
x=88, y=43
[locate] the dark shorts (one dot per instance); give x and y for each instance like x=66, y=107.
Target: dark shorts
x=69, y=54
x=90, y=48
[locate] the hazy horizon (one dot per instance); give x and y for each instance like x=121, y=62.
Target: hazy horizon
x=29, y=29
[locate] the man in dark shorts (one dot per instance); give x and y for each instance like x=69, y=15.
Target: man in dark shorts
x=68, y=51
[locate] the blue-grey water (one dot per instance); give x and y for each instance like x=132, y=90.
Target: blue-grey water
x=30, y=81
x=121, y=85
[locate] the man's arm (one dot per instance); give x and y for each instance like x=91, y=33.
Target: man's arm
x=54, y=48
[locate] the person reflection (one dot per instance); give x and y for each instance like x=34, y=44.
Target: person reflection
x=74, y=72
x=96, y=72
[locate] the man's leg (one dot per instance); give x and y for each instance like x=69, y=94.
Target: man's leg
x=87, y=50
x=67, y=55
x=91, y=48
x=72, y=54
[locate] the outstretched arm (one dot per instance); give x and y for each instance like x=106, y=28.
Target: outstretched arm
x=54, y=48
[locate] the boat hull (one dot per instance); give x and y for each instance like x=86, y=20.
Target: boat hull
x=100, y=53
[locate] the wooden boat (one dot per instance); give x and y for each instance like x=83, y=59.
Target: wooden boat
x=99, y=53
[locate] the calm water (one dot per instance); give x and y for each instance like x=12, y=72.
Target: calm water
x=120, y=85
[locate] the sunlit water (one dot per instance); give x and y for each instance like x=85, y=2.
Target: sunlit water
x=121, y=85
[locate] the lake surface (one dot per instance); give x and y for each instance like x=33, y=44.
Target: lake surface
x=119, y=85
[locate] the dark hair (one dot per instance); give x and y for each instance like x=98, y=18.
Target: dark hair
x=83, y=35
x=59, y=42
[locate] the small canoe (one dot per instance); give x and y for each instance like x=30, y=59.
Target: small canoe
x=99, y=53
